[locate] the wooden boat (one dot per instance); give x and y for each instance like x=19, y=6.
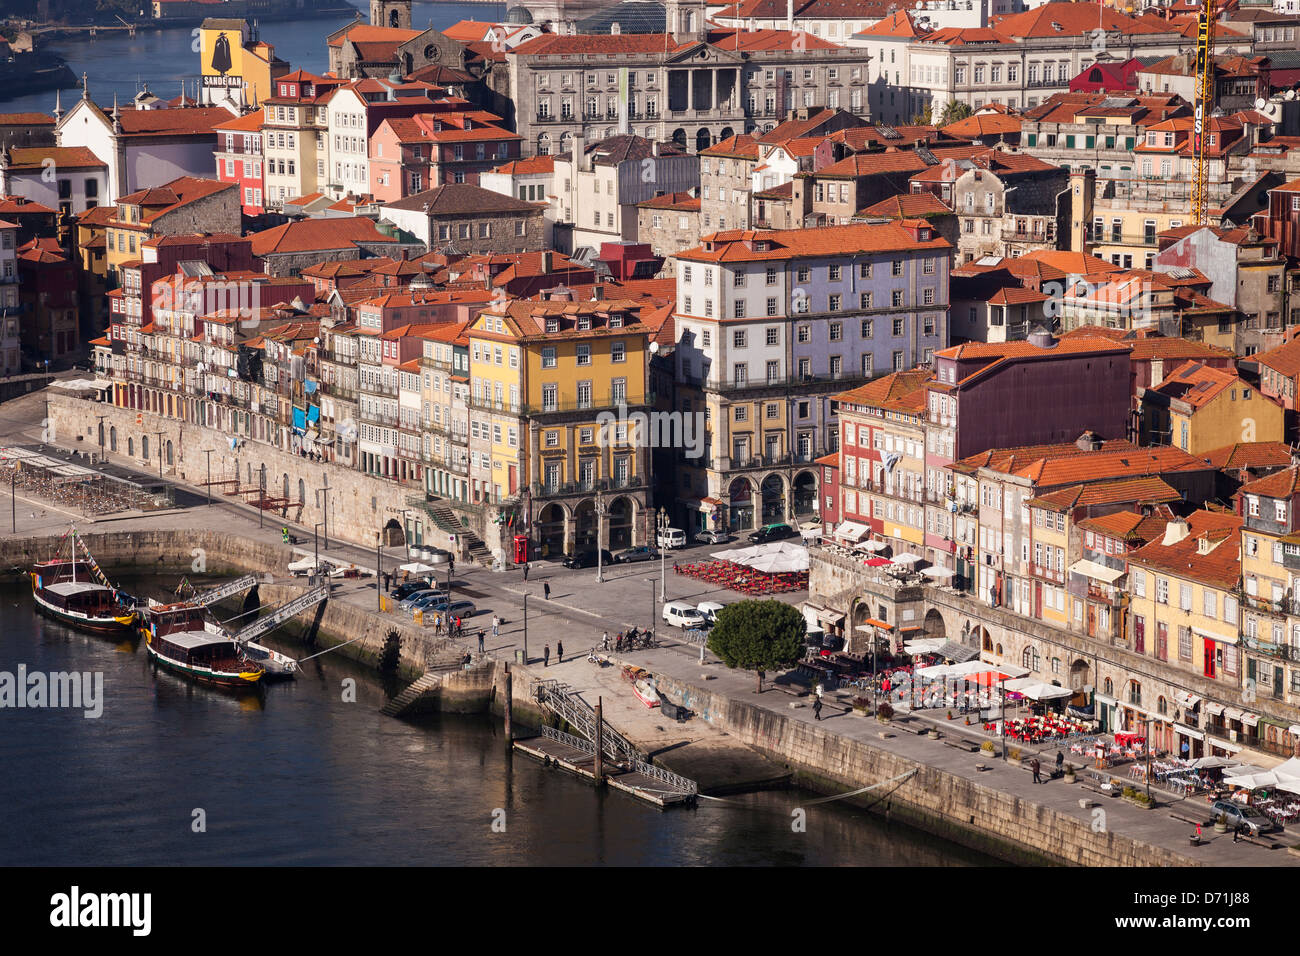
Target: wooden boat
x=178, y=638
x=276, y=666
x=646, y=693
x=77, y=593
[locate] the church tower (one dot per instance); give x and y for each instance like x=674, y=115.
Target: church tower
x=391, y=13
x=686, y=19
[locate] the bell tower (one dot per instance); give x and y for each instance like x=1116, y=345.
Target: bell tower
x=391, y=13
x=686, y=19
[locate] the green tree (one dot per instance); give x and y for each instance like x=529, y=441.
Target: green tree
x=758, y=636
x=952, y=112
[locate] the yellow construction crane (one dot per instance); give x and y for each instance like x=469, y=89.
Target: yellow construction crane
x=1204, y=106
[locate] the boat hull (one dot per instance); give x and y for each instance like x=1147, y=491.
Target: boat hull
x=235, y=680
x=122, y=625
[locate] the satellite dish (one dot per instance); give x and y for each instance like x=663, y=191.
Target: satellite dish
x=1261, y=103
x=1290, y=94
x=654, y=348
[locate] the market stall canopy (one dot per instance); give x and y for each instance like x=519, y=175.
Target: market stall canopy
x=923, y=645
x=851, y=531
x=417, y=568
x=1037, y=689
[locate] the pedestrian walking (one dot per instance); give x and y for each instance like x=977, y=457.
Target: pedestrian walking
x=817, y=708
x=546, y=589
x=481, y=634
x=406, y=577
x=460, y=626
x=496, y=626
x=559, y=652
x=1035, y=766
x=546, y=656
x=604, y=641
x=437, y=624
x=387, y=578
x=1236, y=833
x=525, y=571
x=1060, y=761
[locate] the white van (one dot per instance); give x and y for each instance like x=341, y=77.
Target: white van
x=683, y=614
x=671, y=538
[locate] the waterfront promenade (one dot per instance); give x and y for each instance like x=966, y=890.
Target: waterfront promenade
x=579, y=609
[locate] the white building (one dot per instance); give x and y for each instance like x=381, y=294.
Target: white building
x=70, y=179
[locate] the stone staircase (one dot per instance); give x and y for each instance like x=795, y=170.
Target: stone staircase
x=448, y=521
x=446, y=661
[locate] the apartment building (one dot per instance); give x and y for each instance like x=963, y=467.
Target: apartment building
x=771, y=325
x=541, y=375
x=412, y=154
x=241, y=160
x=1198, y=409
x=182, y=206
x=294, y=136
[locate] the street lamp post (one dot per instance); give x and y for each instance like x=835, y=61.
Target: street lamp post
x=600, y=538
x=160, y=454
x=652, y=605
x=101, y=436
x=208, y=453
x=261, y=494
x=661, y=525
x=315, y=543
x=1002, y=722
x=379, y=568
x=525, y=627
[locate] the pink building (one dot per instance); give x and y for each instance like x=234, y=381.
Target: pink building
x=411, y=154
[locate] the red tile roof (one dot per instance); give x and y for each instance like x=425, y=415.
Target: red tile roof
x=741, y=245
x=63, y=157
x=908, y=206
x=1280, y=484
x=1284, y=359
x=1220, y=567
x=311, y=235
x=898, y=391
x=1256, y=454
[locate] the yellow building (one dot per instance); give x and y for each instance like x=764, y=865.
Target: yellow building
x=558, y=419
x=294, y=137
x=1198, y=409
x=170, y=209
x=1184, y=613
x=235, y=66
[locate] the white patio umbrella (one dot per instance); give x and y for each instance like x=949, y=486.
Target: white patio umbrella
x=872, y=545
x=937, y=572
x=416, y=567
x=1253, y=781
x=1039, y=690
x=906, y=558
x=1209, y=763
x=779, y=563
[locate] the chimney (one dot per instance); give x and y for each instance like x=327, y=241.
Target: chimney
x=1175, y=531
x=789, y=15
x=546, y=262
x=1088, y=441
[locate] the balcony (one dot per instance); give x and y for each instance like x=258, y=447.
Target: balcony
x=608, y=401
x=587, y=487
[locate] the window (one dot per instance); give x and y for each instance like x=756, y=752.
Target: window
x=739, y=339
x=584, y=354
x=866, y=328
x=548, y=357
x=1162, y=590
x=618, y=352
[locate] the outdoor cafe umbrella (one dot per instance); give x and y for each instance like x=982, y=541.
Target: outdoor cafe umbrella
x=1039, y=690
x=1252, y=781
x=937, y=572
x=872, y=545
x=1210, y=763
x=907, y=558
x=876, y=562
x=415, y=567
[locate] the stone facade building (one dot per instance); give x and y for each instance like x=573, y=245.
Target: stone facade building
x=469, y=220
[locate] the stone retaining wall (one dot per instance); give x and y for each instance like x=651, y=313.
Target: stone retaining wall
x=963, y=811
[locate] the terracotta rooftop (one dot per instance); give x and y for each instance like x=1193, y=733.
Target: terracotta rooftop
x=863, y=238
x=1280, y=484
x=63, y=157
x=898, y=391
x=311, y=235
x=1220, y=567
x=1256, y=454
x=1284, y=359
x=908, y=206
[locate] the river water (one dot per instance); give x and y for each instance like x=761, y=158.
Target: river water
x=298, y=776
x=118, y=63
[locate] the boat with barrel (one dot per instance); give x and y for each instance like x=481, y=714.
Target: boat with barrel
x=72, y=588
x=179, y=638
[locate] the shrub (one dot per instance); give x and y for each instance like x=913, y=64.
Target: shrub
x=861, y=703
x=885, y=711
x=1128, y=791
x=1014, y=753
x=987, y=747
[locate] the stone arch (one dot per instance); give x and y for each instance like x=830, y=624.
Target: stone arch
x=726, y=133
x=552, y=521
x=933, y=626
x=1079, y=674
x=679, y=137
x=986, y=643
x=112, y=438
x=130, y=447
x=566, y=142
x=171, y=453
x=773, y=494
x=544, y=144
x=585, y=526
x=394, y=534
x=703, y=139
x=302, y=492
x=997, y=649
x=1030, y=658
x=620, y=521
x=805, y=493
x=741, y=494
x=144, y=446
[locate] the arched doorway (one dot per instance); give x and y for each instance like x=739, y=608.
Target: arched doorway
x=620, y=523
x=112, y=437
x=144, y=446
x=934, y=626
x=679, y=137
x=584, y=526
x=1079, y=674
x=703, y=140
x=741, y=511
x=170, y=453
x=550, y=529
x=130, y=447
x=394, y=535
x=727, y=133
x=805, y=493
x=566, y=142
x=773, y=492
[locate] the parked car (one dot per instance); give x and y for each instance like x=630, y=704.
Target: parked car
x=587, y=559
x=670, y=538
x=773, y=532
x=455, y=608
x=1247, y=817
x=411, y=598
x=639, y=553
x=709, y=610
x=404, y=591
x=683, y=614
x=425, y=599
x=714, y=537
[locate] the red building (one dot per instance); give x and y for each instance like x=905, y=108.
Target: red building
x=1104, y=77
x=47, y=289
x=410, y=155
x=239, y=159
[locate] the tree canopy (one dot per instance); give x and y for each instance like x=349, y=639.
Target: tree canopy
x=758, y=636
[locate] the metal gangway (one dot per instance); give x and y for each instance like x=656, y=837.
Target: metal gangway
x=270, y=622
x=563, y=701
x=223, y=591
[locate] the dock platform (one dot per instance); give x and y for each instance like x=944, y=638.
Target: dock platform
x=651, y=784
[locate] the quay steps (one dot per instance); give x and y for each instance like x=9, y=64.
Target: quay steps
x=448, y=521
x=438, y=668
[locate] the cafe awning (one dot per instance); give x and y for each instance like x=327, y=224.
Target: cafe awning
x=1099, y=572
x=872, y=545
x=1188, y=732
x=1213, y=710
x=1250, y=720
x=851, y=531
x=923, y=645
x=1187, y=700
x=958, y=653
x=1232, y=713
